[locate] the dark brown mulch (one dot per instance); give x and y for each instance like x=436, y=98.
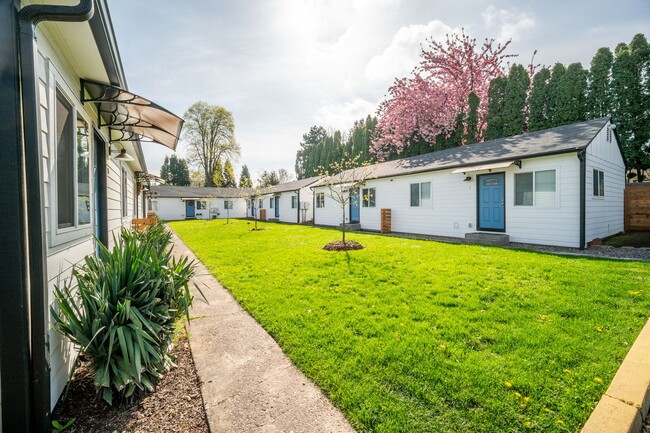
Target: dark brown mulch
x=175, y=406
x=340, y=246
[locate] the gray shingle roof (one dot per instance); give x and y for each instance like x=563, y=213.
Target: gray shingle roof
x=196, y=192
x=291, y=186
x=562, y=139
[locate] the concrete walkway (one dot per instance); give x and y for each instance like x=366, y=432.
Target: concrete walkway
x=248, y=383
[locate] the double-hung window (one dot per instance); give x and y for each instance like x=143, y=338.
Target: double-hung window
x=260, y=203
x=421, y=194
x=320, y=199
x=227, y=204
x=271, y=202
x=294, y=201
x=368, y=197
x=72, y=166
x=599, y=183
x=125, y=194
x=536, y=189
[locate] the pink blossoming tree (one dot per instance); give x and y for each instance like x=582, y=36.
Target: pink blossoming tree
x=427, y=104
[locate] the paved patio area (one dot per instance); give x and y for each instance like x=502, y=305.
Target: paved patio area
x=248, y=383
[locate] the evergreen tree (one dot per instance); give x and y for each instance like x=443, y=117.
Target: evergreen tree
x=495, y=114
x=245, y=178
x=229, y=175
x=572, y=96
x=217, y=174
x=599, y=95
x=471, y=123
x=538, y=101
x=553, y=89
x=631, y=88
x=175, y=171
x=514, y=101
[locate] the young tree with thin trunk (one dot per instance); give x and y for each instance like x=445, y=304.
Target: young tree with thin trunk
x=209, y=131
x=343, y=179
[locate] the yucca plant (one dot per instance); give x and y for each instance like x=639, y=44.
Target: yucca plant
x=120, y=307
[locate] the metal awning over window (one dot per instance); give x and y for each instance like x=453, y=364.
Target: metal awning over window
x=493, y=166
x=131, y=117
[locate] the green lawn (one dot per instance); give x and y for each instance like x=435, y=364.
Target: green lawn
x=421, y=336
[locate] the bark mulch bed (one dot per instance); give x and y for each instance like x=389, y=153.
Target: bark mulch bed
x=340, y=246
x=175, y=406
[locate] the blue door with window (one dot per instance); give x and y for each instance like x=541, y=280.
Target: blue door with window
x=277, y=206
x=354, y=206
x=189, y=209
x=491, y=202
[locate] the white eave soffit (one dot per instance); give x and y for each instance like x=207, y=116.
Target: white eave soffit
x=493, y=166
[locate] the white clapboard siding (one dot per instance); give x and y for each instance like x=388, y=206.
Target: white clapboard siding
x=604, y=215
x=453, y=205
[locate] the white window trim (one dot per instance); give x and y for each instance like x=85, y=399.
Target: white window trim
x=535, y=205
x=420, y=206
x=363, y=197
x=598, y=197
x=61, y=237
x=317, y=201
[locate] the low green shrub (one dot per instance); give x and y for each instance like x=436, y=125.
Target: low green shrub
x=120, y=307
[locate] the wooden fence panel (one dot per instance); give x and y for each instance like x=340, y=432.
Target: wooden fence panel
x=637, y=207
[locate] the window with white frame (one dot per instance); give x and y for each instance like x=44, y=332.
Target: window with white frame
x=72, y=188
x=599, y=183
x=153, y=205
x=271, y=202
x=368, y=197
x=201, y=205
x=320, y=199
x=227, y=204
x=421, y=194
x=294, y=201
x=125, y=192
x=260, y=204
x=536, y=188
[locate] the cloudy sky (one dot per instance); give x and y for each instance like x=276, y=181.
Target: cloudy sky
x=281, y=66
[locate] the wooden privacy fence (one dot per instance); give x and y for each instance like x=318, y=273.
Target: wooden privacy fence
x=637, y=207
x=142, y=223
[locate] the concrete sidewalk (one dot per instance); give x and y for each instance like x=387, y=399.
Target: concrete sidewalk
x=248, y=383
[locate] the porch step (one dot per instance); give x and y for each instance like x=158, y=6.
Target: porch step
x=488, y=238
x=275, y=220
x=353, y=227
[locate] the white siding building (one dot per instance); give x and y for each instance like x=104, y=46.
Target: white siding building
x=172, y=203
x=289, y=202
x=528, y=187
x=85, y=177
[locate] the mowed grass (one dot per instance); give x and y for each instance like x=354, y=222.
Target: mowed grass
x=420, y=336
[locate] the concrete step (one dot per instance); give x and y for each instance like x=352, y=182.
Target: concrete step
x=488, y=238
x=275, y=220
x=353, y=227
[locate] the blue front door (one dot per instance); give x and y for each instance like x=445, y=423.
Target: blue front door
x=277, y=206
x=189, y=209
x=354, y=206
x=491, y=202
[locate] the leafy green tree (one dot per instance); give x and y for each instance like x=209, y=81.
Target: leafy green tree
x=538, y=101
x=217, y=174
x=495, y=114
x=229, y=180
x=514, y=101
x=471, y=123
x=572, y=96
x=553, y=90
x=209, y=131
x=631, y=88
x=245, y=178
x=599, y=93
x=175, y=171
x=268, y=178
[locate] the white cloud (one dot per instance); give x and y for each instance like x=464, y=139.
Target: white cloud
x=512, y=22
x=342, y=116
x=401, y=56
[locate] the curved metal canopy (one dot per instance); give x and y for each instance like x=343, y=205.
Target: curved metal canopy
x=131, y=117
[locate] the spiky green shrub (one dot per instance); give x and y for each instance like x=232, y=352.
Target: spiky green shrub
x=120, y=307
